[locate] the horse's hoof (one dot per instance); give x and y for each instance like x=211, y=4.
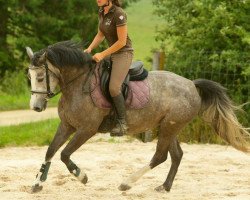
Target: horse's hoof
x=124, y=187
x=167, y=188
x=84, y=179
x=36, y=188
x=162, y=189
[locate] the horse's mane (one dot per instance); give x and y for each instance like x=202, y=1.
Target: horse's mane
x=64, y=54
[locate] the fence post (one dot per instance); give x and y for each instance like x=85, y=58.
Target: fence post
x=158, y=60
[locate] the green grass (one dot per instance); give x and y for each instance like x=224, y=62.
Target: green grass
x=31, y=134
x=19, y=102
x=10, y=102
x=41, y=133
x=142, y=29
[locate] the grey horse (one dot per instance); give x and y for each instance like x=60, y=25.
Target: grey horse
x=174, y=101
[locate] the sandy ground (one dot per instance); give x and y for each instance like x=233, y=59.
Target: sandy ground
x=206, y=172
x=24, y=116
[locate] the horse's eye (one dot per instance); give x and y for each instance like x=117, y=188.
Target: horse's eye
x=40, y=79
x=40, y=76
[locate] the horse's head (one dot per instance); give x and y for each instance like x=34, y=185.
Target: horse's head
x=44, y=78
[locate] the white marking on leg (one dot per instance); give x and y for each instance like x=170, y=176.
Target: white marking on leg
x=74, y=172
x=135, y=177
x=81, y=176
x=39, y=174
x=38, y=181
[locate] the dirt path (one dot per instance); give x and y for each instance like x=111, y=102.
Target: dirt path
x=24, y=116
x=209, y=172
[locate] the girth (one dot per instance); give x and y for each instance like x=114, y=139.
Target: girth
x=136, y=73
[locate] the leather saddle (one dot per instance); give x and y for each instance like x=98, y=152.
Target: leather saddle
x=136, y=73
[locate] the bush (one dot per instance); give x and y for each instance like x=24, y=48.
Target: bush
x=208, y=39
x=14, y=83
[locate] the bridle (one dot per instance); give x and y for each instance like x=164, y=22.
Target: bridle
x=49, y=93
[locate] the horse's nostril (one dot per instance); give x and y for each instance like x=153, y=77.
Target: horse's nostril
x=37, y=109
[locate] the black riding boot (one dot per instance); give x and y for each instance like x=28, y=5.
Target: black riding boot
x=121, y=126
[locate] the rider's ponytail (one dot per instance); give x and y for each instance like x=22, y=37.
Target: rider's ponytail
x=117, y=3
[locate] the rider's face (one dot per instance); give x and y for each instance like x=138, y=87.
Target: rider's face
x=101, y=2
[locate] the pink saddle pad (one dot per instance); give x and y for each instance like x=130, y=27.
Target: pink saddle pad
x=138, y=93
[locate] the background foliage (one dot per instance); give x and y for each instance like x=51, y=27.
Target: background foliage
x=39, y=23
x=208, y=39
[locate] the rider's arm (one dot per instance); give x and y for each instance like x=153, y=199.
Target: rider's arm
x=97, y=40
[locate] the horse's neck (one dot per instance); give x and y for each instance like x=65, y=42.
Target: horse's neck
x=72, y=80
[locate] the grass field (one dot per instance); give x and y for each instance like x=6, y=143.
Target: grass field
x=41, y=133
x=142, y=29
x=12, y=102
x=30, y=134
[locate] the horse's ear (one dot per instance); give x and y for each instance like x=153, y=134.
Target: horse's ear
x=29, y=52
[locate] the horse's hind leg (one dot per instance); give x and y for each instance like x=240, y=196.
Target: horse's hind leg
x=165, y=138
x=167, y=142
x=176, y=154
x=62, y=134
x=168, y=131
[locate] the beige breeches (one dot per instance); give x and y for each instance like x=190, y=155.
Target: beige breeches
x=121, y=63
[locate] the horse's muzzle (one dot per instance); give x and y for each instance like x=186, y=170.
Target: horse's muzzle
x=37, y=109
x=40, y=108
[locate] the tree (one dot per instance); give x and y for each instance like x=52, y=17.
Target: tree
x=205, y=26
x=5, y=62
x=208, y=39
x=39, y=23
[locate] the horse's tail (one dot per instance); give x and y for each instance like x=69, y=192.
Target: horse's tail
x=218, y=110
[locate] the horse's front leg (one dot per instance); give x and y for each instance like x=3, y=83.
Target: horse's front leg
x=80, y=137
x=62, y=134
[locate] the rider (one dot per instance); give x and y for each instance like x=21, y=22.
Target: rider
x=113, y=27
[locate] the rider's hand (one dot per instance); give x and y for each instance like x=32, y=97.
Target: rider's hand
x=88, y=50
x=98, y=57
